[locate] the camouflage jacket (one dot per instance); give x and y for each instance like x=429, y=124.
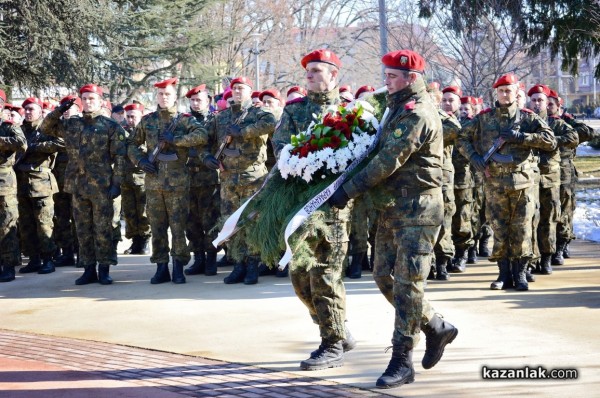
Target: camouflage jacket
x=451, y=128
x=585, y=133
x=133, y=175
x=463, y=175
x=12, y=140
x=407, y=162
x=34, y=169
x=94, y=143
x=478, y=136
x=248, y=153
x=200, y=175
x=174, y=175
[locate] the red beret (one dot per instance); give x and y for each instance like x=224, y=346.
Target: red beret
x=172, y=81
x=321, y=55
x=48, y=105
x=468, y=100
x=364, y=89
x=90, y=88
x=134, y=107
x=272, y=92
x=195, y=90
x=480, y=100
x=554, y=94
x=434, y=86
x=296, y=89
x=18, y=109
x=452, y=89
x=404, y=60
x=8, y=106
x=77, y=100
x=539, y=89
x=255, y=94
x=345, y=89
x=33, y=100
x=2, y=95
x=227, y=95
x=506, y=80
x=241, y=80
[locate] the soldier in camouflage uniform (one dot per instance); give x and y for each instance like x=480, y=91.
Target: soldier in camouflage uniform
x=64, y=226
x=550, y=170
x=167, y=182
x=94, y=143
x=133, y=192
x=568, y=181
x=12, y=140
x=204, y=195
x=508, y=182
x=243, y=165
x=407, y=166
x=320, y=288
x=36, y=185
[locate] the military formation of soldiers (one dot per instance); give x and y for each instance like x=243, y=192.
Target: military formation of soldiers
x=460, y=176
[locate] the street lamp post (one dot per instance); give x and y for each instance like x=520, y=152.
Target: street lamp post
x=256, y=52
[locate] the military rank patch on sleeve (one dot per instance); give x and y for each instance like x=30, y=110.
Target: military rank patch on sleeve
x=399, y=131
x=121, y=137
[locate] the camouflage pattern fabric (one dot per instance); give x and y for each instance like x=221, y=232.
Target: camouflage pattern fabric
x=407, y=165
x=64, y=227
x=362, y=219
x=133, y=199
x=36, y=224
x=509, y=205
x=9, y=215
x=93, y=221
x=535, y=199
x=168, y=209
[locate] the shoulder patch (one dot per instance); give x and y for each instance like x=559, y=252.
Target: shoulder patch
x=399, y=131
x=295, y=101
x=527, y=110
x=486, y=110
x=121, y=137
x=410, y=105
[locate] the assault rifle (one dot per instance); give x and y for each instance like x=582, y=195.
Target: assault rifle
x=159, y=151
x=221, y=151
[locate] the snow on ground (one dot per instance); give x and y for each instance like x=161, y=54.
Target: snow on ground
x=586, y=220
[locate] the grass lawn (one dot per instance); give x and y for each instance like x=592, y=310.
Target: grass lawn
x=588, y=166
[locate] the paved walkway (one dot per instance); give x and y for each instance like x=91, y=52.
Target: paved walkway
x=133, y=339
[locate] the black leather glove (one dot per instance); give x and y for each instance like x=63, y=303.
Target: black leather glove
x=211, y=162
x=234, y=130
x=513, y=136
x=62, y=108
x=339, y=198
x=478, y=162
x=148, y=167
x=166, y=137
x=114, y=191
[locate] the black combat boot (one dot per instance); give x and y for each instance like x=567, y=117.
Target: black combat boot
x=103, y=277
x=472, y=254
x=484, y=251
x=251, y=271
x=545, y=267
x=518, y=272
x=67, y=258
x=178, y=276
x=459, y=264
x=199, y=265
x=529, y=268
x=8, y=273
x=328, y=355
x=438, y=333
x=47, y=265
x=349, y=343
x=89, y=275
x=237, y=275
x=135, y=246
x=431, y=275
x=162, y=274
x=366, y=264
x=34, y=264
x=282, y=273
x=144, y=242
x=264, y=270
x=440, y=268
x=566, y=251
x=505, y=280
x=400, y=369
x=557, y=258
x=355, y=267
x=211, y=263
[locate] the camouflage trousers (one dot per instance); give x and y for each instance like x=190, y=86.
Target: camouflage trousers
x=133, y=203
x=168, y=209
x=564, y=228
x=93, y=220
x=64, y=226
x=444, y=247
x=321, y=288
x=481, y=228
x=204, y=214
x=510, y=212
x=36, y=225
x=535, y=221
x=9, y=241
x=116, y=222
x=549, y=202
x=407, y=253
x=363, y=226
x=462, y=230
x=233, y=195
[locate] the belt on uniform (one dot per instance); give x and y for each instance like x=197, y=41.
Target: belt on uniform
x=29, y=167
x=498, y=168
x=409, y=192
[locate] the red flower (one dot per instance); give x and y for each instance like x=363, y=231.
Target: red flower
x=314, y=147
x=329, y=120
x=335, y=142
x=344, y=129
x=410, y=105
x=350, y=118
x=304, y=151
